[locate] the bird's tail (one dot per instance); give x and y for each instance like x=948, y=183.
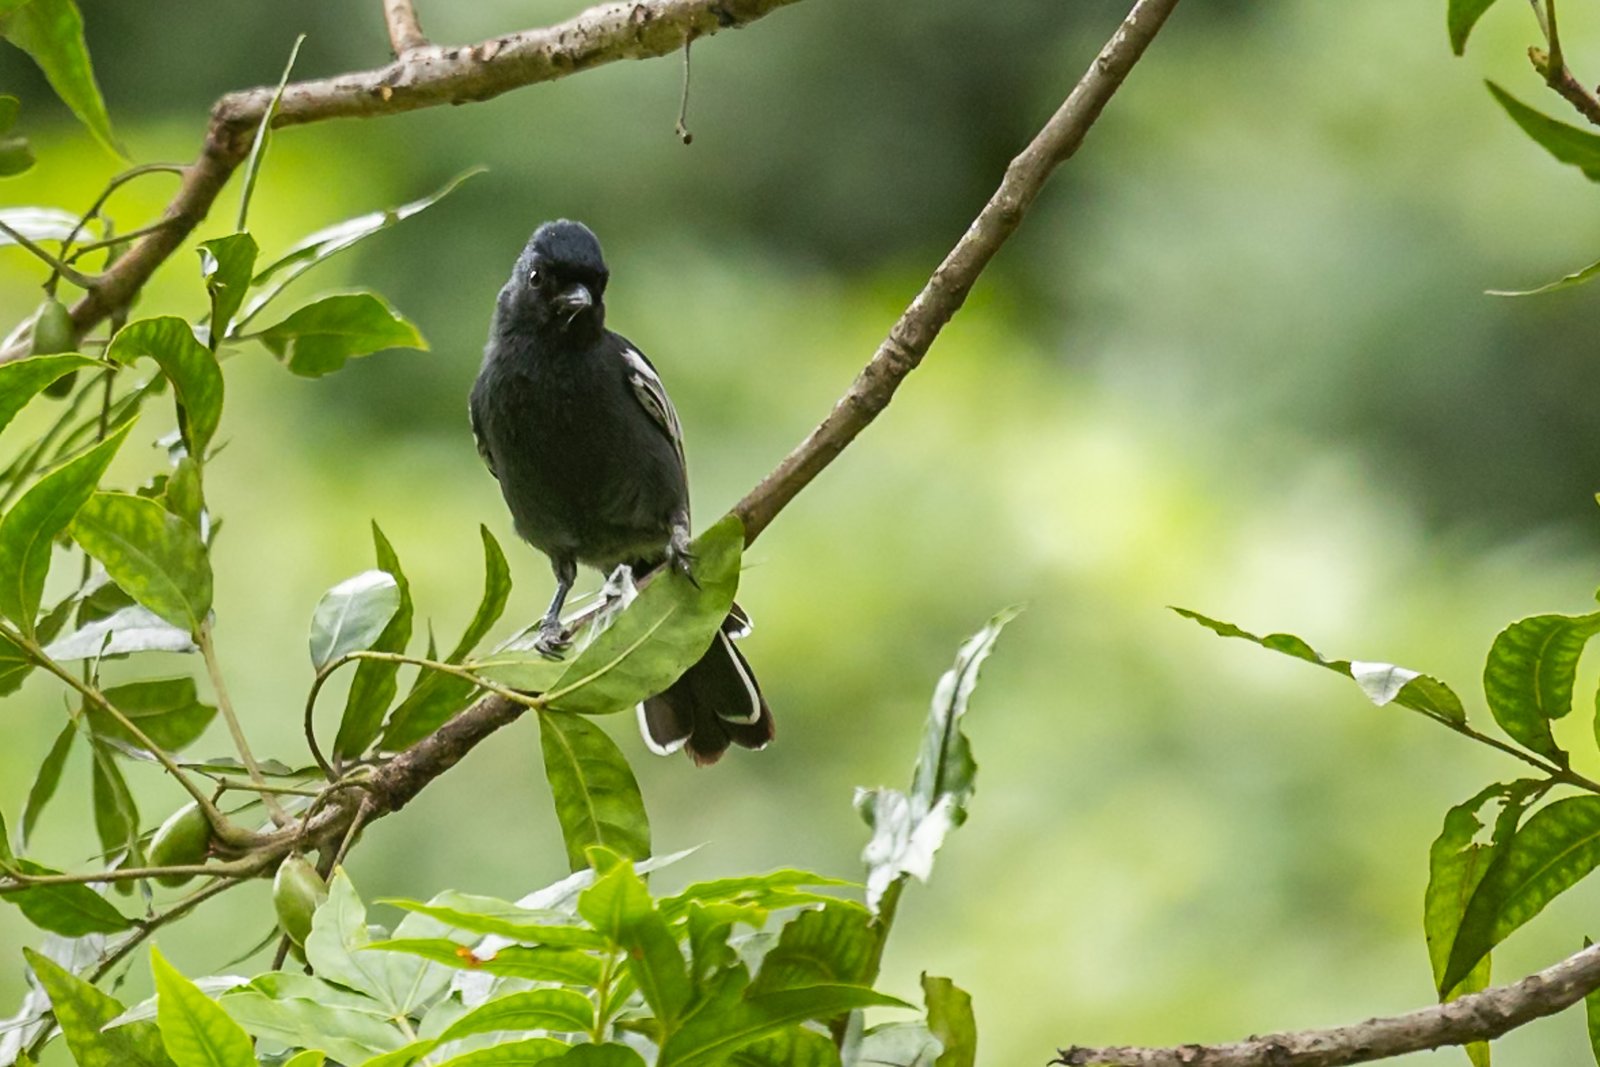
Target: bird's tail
x=714, y=704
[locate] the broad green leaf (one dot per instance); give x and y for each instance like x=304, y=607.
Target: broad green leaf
x=320, y=337
x=909, y=828
x=352, y=615
x=596, y=796
x=780, y=889
x=709, y=926
x=619, y=907
x=525, y=1053
x=14, y=666
x=309, y=1058
x=1528, y=677
x=951, y=1021
x=196, y=1031
x=660, y=635
x=1461, y=17
x=404, y=1056
x=121, y=633
x=150, y=552
x=1554, y=850
x=335, y=949
x=373, y=687
x=1565, y=142
x=168, y=710
x=561, y=1010
x=794, y=1046
x=16, y=156
x=485, y=915
x=609, y=1054
x=193, y=371
x=1383, y=683
x=116, y=816
x=46, y=781
x=314, y=248
x=23, y=379
x=70, y=910
x=832, y=945
x=29, y=529
x=51, y=31
x=226, y=264
x=435, y=696
x=184, y=496
x=81, y=1011
x=347, y=1035
x=541, y=963
x=726, y=1020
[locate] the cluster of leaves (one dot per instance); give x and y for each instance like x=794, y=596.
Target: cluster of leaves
x=1545, y=837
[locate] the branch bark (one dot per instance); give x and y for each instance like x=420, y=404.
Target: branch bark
x=423, y=76
x=405, y=32
x=1477, y=1017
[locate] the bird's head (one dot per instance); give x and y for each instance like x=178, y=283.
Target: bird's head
x=559, y=282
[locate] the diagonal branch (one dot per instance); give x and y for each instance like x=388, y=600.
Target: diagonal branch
x=1476, y=1017
x=425, y=76
x=405, y=32
x=943, y=295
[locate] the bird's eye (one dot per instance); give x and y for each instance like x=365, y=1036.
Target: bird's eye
x=533, y=277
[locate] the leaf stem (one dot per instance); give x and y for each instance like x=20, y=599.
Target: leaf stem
x=16, y=881
x=258, y=781
x=82, y=281
x=117, y=239
x=116, y=182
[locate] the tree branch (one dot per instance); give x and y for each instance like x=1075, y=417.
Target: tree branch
x=405, y=32
x=426, y=76
x=1476, y=1017
x=943, y=295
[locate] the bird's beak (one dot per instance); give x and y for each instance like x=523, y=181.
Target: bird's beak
x=574, y=299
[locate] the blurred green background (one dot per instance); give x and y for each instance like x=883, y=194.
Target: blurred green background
x=1238, y=359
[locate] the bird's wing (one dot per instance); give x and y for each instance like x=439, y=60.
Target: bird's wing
x=477, y=436
x=652, y=396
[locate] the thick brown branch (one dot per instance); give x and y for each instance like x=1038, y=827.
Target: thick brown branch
x=943, y=295
x=1478, y=1017
x=423, y=77
x=405, y=32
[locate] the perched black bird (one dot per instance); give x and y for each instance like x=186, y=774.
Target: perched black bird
x=576, y=425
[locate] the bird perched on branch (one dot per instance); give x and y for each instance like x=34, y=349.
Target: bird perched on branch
x=575, y=424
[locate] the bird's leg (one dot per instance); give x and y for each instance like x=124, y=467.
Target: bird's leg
x=553, y=640
x=679, y=558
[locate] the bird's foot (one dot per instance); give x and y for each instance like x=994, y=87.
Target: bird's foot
x=680, y=559
x=553, y=641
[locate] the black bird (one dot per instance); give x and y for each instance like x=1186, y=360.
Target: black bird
x=575, y=424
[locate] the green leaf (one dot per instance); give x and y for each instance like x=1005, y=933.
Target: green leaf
x=1383, y=683
x=29, y=529
x=780, y=889
x=660, y=635
x=81, y=1011
x=15, y=154
x=832, y=945
x=225, y=264
x=1553, y=851
x=15, y=666
x=349, y=1036
x=794, y=1046
x=336, y=947
x=23, y=379
x=71, y=910
x=132, y=629
x=154, y=555
x=317, y=247
x=561, y=1010
x=184, y=496
x=374, y=685
x=45, y=783
x=258, y=149
x=726, y=1020
x=609, y=1054
x=193, y=371
x=541, y=963
x=320, y=337
x=899, y=1044
x=1576, y=278
x=951, y=1021
x=352, y=615
x=524, y=1053
x=435, y=696
x=1566, y=143
x=168, y=710
x=116, y=816
x=909, y=828
x=51, y=31
x=709, y=926
x=597, y=799
x=1528, y=677
x=619, y=907
x=309, y=1058
x=404, y=1056
x=1461, y=17
x=196, y=1031
x=485, y=915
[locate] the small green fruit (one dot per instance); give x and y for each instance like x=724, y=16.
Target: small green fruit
x=297, y=889
x=52, y=329
x=182, y=841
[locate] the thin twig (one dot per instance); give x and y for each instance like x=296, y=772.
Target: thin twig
x=682, y=127
x=16, y=881
x=1475, y=1017
x=117, y=239
x=208, y=651
x=78, y=278
x=405, y=31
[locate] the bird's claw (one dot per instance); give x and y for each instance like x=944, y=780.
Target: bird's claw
x=552, y=642
x=682, y=561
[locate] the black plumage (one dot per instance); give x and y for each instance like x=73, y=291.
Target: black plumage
x=575, y=424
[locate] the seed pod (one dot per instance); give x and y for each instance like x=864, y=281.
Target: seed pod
x=297, y=889
x=52, y=333
x=183, y=840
